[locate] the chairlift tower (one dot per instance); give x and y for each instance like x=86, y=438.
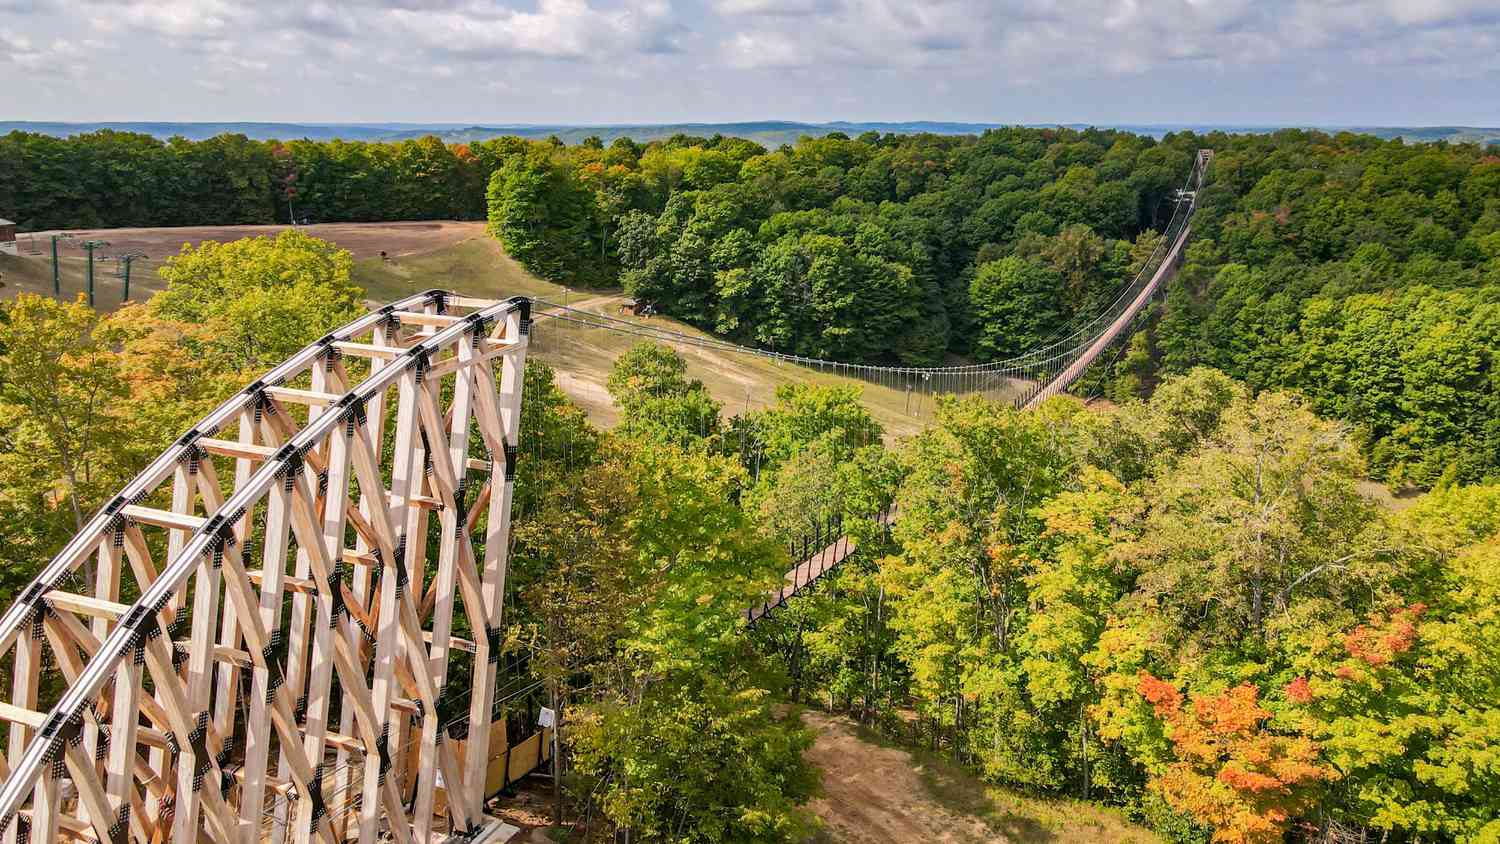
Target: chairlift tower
x=89, y=246
x=123, y=271
x=56, y=276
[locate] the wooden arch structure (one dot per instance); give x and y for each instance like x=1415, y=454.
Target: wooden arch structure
x=287, y=667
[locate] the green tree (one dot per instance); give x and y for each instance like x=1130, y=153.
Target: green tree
x=802, y=415
x=63, y=430
x=656, y=399
x=1405, y=703
x=958, y=583
x=261, y=298
x=546, y=217
x=826, y=299
x=1015, y=306
x=681, y=692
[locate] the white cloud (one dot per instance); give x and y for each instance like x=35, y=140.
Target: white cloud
x=860, y=32
x=655, y=59
x=793, y=8
x=1042, y=39
x=765, y=49
x=57, y=59
x=174, y=18
x=574, y=29
x=1437, y=11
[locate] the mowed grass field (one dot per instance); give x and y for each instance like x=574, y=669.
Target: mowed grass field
x=582, y=356
x=31, y=271
x=459, y=256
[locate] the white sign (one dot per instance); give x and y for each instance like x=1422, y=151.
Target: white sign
x=547, y=718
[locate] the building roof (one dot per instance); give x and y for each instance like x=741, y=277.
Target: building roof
x=5, y=222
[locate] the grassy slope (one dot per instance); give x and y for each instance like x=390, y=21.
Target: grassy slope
x=479, y=266
x=582, y=356
x=33, y=274
x=476, y=266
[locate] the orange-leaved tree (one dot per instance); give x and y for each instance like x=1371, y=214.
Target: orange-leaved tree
x=1230, y=772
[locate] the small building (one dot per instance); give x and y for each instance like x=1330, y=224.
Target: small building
x=8, y=237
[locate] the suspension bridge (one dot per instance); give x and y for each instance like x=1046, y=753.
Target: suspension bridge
x=254, y=640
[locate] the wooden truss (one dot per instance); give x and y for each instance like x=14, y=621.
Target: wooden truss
x=283, y=670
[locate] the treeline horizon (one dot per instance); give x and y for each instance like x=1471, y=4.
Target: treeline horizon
x=113, y=179
x=117, y=178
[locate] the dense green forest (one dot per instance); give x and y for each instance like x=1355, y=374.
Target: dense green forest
x=111, y=179
x=1361, y=273
x=1364, y=274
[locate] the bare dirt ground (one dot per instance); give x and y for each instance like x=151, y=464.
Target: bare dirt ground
x=874, y=793
x=530, y=809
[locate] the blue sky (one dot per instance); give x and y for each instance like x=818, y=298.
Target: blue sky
x=1330, y=62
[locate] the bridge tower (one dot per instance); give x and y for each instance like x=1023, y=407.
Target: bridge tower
x=292, y=667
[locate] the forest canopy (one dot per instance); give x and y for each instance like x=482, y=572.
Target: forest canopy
x=1183, y=606
x=1363, y=274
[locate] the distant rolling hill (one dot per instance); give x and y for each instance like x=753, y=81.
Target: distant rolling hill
x=767, y=132
x=770, y=133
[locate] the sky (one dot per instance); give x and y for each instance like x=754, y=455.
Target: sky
x=1244, y=62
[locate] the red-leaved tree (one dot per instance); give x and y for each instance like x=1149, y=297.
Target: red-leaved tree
x=1230, y=772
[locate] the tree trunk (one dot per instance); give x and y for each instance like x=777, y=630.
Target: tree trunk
x=1256, y=600
x=1083, y=741
x=958, y=725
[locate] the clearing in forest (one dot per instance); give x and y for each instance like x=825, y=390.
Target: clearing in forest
x=876, y=793
x=582, y=356
x=459, y=256
x=33, y=272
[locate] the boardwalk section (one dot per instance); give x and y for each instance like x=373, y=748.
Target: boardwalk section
x=812, y=568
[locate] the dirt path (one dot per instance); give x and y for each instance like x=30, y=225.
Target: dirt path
x=874, y=795
x=877, y=794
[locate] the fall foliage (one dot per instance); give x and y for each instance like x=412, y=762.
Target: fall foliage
x=1231, y=772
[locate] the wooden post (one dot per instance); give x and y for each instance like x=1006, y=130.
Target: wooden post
x=404, y=477
x=25, y=679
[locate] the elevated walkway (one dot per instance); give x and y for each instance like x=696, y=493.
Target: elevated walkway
x=812, y=568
